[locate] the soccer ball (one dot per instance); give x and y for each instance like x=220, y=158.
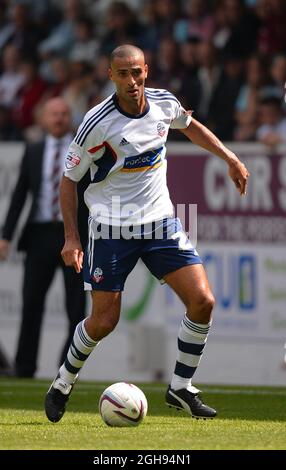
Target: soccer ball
x=123, y=404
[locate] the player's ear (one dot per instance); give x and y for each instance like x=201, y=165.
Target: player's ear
x=110, y=73
x=146, y=70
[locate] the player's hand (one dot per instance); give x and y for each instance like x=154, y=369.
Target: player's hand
x=72, y=254
x=239, y=175
x=4, y=249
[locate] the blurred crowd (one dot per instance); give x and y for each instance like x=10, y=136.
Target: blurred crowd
x=224, y=59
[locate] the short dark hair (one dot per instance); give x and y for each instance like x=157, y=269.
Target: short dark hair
x=124, y=51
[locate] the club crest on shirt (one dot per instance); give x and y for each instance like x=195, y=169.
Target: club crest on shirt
x=72, y=160
x=161, y=129
x=97, y=275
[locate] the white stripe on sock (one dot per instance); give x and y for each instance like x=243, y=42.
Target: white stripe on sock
x=188, y=337
x=189, y=359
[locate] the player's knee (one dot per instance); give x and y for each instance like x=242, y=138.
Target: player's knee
x=108, y=325
x=210, y=301
x=103, y=326
x=206, y=307
x=202, y=307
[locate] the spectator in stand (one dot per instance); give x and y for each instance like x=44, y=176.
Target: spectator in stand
x=122, y=26
x=222, y=28
x=86, y=46
x=6, y=27
x=29, y=95
x=12, y=78
x=272, y=32
x=87, y=31
x=43, y=13
x=160, y=17
x=199, y=22
x=246, y=107
x=243, y=27
x=202, y=85
x=59, y=76
x=151, y=59
x=77, y=93
x=8, y=129
x=189, y=92
x=24, y=34
x=188, y=55
x=102, y=87
x=272, y=129
x=220, y=118
x=62, y=37
x=278, y=76
x=169, y=68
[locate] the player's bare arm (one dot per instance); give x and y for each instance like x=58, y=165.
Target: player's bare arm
x=72, y=252
x=203, y=137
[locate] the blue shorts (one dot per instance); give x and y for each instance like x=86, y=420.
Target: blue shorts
x=108, y=262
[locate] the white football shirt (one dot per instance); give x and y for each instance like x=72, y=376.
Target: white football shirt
x=126, y=155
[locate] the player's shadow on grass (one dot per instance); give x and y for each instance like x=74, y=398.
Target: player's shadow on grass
x=264, y=406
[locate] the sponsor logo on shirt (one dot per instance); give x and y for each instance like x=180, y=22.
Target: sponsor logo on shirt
x=146, y=161
x=72, y=160
x=123, y=142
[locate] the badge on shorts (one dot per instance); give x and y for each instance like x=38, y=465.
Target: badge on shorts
x=97, y=275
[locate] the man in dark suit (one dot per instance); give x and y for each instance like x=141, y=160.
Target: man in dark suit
x=43, y=235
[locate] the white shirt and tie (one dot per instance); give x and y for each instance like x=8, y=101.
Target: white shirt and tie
x=49, y=189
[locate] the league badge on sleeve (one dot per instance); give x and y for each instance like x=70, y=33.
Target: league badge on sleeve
x=72, y=160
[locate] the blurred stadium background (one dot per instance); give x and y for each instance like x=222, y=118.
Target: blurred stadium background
x=226, y=60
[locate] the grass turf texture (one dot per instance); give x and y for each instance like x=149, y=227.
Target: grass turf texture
x=249, y=418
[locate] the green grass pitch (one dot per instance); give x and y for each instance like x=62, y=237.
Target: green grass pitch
x=249, y=418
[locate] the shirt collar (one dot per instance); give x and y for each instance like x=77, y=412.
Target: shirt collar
x=131, y=116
